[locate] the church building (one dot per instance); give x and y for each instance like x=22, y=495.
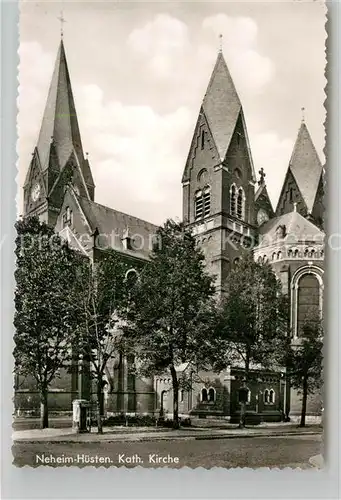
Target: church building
x=227, y=209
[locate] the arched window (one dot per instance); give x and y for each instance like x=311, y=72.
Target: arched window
x=207, y=201
x=181, y=395
x=281, y=232
x=202, y=140
x=233, y=201
x=203, y=203
x=308, y=301
x=271, y=396
x=204, y=395
x=211, y=394
x=202, y=175
x=237, y=260
x=131, y=278
x=266, y=396
x=240, y=204
x=163, y=399
x=290, y=253
x=67, y=217
x=131, y=274
x=238, y=173
x=279, y=255
x=296, y=253
x=199, y=205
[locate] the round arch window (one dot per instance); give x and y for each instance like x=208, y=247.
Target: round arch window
x=308, y=301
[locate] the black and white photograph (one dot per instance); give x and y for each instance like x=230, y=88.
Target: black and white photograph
x=170, y=235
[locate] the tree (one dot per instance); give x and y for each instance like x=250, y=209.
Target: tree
x=45, y=319
x=171, y=311
x=304, y=362
x=253, y=322
x=101, y=293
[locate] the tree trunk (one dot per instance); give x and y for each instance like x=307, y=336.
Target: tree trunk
x=99, y=405
x=44, y=412
x=304, y=402
x=242, y=417
x=287, y=390
x=176, y=424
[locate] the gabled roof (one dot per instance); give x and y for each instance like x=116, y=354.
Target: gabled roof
x=114, y=224
x=305, y=166
x=261, y=190
x=67, y=234
x=60, y=120
x=297, y=228
x=221, y=106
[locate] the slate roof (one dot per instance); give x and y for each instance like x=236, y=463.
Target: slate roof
x=261, y=190
x=221, y=106
x=296, y=226
x=60, y=120
x=305, y=166
x=114, y=224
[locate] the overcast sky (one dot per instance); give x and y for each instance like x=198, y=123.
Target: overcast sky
x=139, y=72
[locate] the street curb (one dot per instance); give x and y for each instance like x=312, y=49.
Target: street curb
x=164, y=438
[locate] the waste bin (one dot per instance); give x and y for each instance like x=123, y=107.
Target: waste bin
x=80, y=415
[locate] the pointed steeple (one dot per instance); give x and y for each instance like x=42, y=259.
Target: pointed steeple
x=262, y=198
x=221, y=105
x=305, y=166
x=261, y=184
x=60, y=123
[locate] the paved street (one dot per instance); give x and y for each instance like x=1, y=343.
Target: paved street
x=291, y=451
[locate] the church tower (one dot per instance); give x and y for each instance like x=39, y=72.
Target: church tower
x=219, y=179
x=58, y=159
x=303, y=184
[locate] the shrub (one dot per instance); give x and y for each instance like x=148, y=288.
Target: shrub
x=139, y=421
x=130, y=420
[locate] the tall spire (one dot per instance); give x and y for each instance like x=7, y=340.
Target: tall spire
x=221, y=105
x=60, y=119
x=305, y=166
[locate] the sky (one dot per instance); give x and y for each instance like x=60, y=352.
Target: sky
x=139, y=71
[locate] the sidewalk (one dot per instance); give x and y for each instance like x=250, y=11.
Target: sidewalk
x=124, y=434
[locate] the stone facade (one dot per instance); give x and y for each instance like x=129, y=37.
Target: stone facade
x=226, y=210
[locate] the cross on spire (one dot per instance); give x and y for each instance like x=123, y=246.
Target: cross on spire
x=262, y=177
x=220, y=43
x=62, y=21
x=303, y=117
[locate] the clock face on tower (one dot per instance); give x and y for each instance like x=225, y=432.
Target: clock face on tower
x=35, y=192
x=262, y=217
